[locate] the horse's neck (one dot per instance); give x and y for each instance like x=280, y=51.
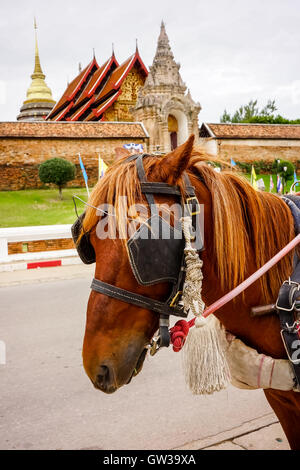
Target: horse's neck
x=262, y=333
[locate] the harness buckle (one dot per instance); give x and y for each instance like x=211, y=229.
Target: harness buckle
x=295, y=286
x=154, y=345
x=175, y=298
x=189, y=202
x=290, y=329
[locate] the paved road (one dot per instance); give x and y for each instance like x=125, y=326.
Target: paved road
x=47, y=402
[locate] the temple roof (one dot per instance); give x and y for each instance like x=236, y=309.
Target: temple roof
x=94, y=89
x=72, y=89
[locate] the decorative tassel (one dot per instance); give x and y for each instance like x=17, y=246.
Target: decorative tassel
x=206, y=368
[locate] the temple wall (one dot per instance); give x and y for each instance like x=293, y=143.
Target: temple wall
x=249, y=150
x=20, y=156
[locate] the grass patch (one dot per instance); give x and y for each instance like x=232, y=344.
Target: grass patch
x=39, y=207
x=43, y=206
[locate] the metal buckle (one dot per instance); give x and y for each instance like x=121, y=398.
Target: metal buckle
x=289, y=282
x=289, y=329
x=175, y=298
x=188, y=201
x=154, y=345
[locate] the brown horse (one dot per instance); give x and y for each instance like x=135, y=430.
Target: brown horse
x=244, y=228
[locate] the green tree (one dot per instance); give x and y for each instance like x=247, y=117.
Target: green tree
x=250, y=113
x=58, y=171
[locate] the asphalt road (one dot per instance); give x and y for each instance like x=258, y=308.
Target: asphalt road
x=47, y=401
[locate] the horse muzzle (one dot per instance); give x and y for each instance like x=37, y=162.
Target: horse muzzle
x=105, y=379
x=109, y=378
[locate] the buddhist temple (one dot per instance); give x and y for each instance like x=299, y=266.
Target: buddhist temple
x=102, y=93
x=39, y=101
x=128, y=92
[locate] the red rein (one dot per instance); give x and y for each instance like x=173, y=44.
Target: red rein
x=180, y=330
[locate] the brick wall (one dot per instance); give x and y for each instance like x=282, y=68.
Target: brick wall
x=40, y=245
x=259, y=151
x=23, y=148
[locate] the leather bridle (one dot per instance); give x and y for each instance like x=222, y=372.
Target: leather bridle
x=172, y=305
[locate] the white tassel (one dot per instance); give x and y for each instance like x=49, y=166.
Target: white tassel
x=206, y=368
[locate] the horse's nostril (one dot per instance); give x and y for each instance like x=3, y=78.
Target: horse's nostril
x=103, y=375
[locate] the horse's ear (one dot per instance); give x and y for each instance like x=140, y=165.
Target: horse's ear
x=121, y=153
x=173, y=164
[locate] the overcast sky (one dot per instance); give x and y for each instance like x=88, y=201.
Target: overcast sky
x=230, y=51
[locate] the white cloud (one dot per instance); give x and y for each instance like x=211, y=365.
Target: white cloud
x=290, y=92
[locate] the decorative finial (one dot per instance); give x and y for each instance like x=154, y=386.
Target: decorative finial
x=136, y=45
x=37, y=64
x=79, y=67
x=93, y=53
x=163, y=35
x=112, y=49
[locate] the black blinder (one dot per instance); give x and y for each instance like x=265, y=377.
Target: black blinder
x=84, y=248
x=155, y=252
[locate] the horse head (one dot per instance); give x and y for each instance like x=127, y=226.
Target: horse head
x=117, y=333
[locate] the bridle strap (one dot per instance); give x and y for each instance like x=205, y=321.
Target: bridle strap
x=136, y=299
x=159, y=188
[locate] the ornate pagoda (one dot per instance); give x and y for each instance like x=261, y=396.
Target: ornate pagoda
x=169, y=113
x=39, y=101
x=102, y=93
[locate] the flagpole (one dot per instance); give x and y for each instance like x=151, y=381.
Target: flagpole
x=87, y=189
x=86, y=185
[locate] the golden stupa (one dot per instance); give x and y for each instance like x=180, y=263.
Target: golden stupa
x=39, y=101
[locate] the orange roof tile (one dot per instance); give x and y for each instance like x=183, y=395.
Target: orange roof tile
x=73, y=88
x=63, y=112
x=76, y=115
x=96, y=112
x=96, y=79
x=80, y=94
x=119, y=74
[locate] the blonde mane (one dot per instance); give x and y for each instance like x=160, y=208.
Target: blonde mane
x=246, y=223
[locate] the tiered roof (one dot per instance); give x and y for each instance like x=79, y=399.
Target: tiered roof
x=94, y=90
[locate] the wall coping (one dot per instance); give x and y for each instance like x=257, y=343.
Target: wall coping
x=73, y=130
